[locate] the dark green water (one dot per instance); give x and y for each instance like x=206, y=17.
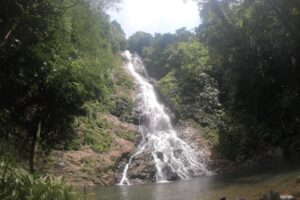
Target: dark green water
x=251, y=184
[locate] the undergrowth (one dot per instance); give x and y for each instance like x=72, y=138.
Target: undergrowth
x=17, y=184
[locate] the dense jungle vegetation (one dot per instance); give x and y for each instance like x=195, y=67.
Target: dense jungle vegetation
x=249, y=51
x=237, y=76
x=57, y=59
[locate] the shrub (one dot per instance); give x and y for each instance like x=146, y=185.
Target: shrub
x=16, y=184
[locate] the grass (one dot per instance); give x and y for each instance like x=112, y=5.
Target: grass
x=129, y=135
x=93, y=130
x=88, y=165
x=94, y=133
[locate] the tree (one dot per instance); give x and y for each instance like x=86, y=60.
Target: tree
x=259, y=70
x=251, y=48
x=138, y=41
x=55, y=56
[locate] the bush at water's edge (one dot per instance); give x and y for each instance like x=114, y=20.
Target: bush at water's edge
x=16, y=183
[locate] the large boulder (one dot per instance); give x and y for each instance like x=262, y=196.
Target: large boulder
x=169, y=173
x=142, y=167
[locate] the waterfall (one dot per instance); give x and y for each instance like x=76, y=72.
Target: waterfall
x=172, y=156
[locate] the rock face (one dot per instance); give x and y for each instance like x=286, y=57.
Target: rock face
x=195, y=137
x=142, y=168
x=169, y=173
x=86, y=167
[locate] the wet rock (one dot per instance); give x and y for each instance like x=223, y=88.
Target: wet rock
x=136, y=116
x=177, y=153
x=142, y=167
x=160, y=156
x=139, y=67
x=137, y=181
x=145, y=120
x=135, y=120
x=223, y=198
x=271, y=196
x=121, y=165
x=169, y=173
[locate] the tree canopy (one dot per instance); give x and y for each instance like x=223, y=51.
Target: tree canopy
x=251, y=49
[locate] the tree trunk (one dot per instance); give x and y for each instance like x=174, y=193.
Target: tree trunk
x=34, y=148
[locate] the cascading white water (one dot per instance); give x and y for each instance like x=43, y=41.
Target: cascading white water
x=171, y=154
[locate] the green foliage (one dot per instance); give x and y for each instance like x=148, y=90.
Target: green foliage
x=99, y=142
x=17, y=184
x=88, y=165
x=122, y=82
x=157, y=56
x=244, y=54
x=182, y=65
x=138, y=41
x=210, y=134
x=121, y=101
x=122, y=108
x=95, y=130
x=55, y=56
x=118, y=37
x=92, y=130
x=129, y=135
x=169, y=88
x=256, y=49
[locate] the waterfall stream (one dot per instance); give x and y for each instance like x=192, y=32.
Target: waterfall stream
x=172, y=156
